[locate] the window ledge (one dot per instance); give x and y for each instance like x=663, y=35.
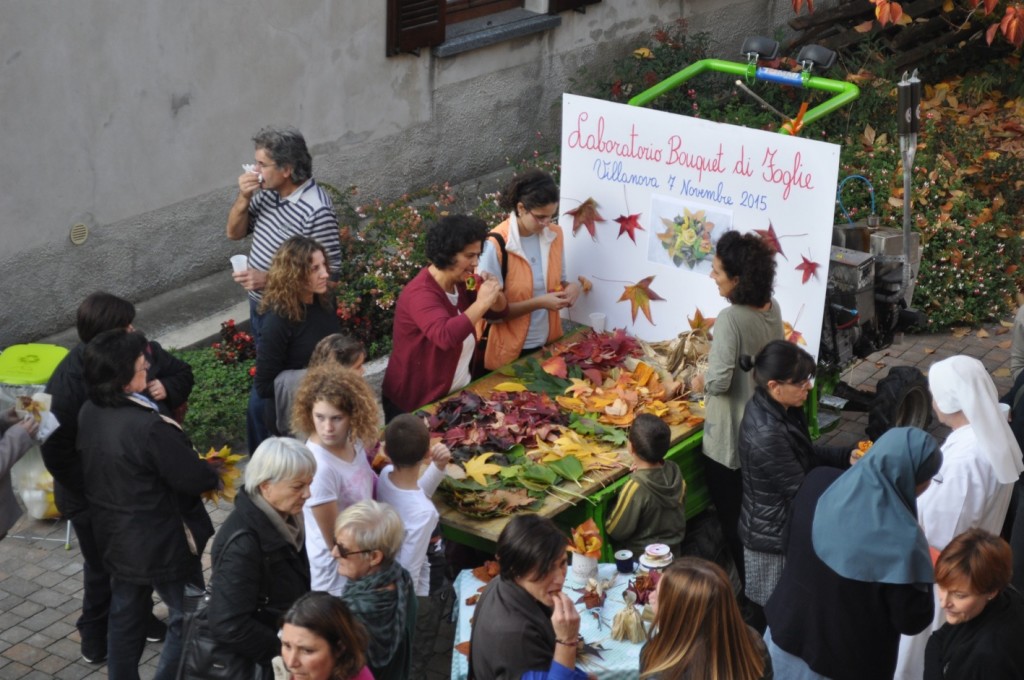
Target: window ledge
x=493, y=28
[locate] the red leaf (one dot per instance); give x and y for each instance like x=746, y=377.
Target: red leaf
x=555, y=366
x=771, y=238
x=1012, y=25
x=809, y=269
x=586, y=215
x=629, y=225
x=639, y=296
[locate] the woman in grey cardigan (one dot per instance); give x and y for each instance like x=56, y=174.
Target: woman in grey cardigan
x=18, y=434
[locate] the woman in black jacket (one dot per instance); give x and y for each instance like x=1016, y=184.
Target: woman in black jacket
x=143, y=482
x=776, y=454
x=259, y=555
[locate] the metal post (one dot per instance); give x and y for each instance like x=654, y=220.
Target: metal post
x=909, y=109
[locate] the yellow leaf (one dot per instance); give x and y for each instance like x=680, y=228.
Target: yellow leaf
x=1005, y=344
x=961, y=331
x=1006, y=324
x=948, y=6
x=1001, y=373
x=864, y=27
x=510, y=387
x=643, y=53
x=895, y=202
x=477, y=468
x=982, y=333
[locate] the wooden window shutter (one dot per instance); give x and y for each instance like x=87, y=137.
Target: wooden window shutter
x=413, y=24
x=563, y=5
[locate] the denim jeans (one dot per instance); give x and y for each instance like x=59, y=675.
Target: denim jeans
x=130, y=608
x=256, y=429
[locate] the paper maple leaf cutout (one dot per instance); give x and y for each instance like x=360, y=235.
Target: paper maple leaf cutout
x=640, y=296
x=477, y=468
x=771, y=238
x=699, y=323
x=628, y=224
x=586, y=215
x=809, y=269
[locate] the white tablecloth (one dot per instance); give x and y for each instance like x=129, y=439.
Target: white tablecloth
x=620, y=660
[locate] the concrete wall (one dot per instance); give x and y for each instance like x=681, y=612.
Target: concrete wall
x=135, y=119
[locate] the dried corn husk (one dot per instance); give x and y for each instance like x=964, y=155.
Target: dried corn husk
x=682, y=357
x=627, y=624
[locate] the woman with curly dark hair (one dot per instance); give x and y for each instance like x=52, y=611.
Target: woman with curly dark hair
x=298, y=316
x=534, y=281
x=322, y=640
x=744, y=270
x=435, y=317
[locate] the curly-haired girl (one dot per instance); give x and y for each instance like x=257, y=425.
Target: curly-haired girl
x=338, y=410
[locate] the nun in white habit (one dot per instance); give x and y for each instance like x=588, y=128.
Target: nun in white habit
x=980, y=463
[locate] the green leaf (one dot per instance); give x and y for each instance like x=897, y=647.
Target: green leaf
x=569, y=468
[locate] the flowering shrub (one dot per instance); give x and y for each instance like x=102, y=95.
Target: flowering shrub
x=217, y=405
x=381, y=251
x=235, y=345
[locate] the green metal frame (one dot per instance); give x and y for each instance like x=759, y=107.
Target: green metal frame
x=843, y=92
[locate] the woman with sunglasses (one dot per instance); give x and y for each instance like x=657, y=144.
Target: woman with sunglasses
x=776, y=454
x=534, y=280
x=380, y=593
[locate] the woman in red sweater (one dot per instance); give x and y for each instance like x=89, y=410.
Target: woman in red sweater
x=435, y=317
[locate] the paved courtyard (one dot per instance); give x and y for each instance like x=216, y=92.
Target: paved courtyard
x=41, y=583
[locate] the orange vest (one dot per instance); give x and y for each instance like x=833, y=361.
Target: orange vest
x=507, y=337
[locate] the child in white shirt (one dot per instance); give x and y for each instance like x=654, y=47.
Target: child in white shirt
x=339, y=410
x=407, y=444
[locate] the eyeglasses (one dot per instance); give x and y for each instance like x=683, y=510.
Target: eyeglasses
x=263, y=166
x=345, y=554
x=807, y=382
x=145, y=367
x=542, y=219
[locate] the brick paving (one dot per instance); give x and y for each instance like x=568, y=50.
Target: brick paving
x=41, y=583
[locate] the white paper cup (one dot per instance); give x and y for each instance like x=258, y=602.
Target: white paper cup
x=239, y=263
x=597, y=320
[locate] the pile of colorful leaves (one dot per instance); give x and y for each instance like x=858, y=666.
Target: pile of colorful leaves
x=593, y=353
x=623, y=395
x=497, y=423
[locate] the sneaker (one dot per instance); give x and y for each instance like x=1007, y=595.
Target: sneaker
x=156, y=630
x=94, y=659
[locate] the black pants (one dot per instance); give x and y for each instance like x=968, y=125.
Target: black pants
x=92, y=624
x=726, y=489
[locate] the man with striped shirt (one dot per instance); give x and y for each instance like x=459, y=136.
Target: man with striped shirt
x=276, y=200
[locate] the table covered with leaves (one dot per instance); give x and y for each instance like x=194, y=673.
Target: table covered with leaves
x=547, y=433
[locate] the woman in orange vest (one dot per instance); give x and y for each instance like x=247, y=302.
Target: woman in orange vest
x=535, y=282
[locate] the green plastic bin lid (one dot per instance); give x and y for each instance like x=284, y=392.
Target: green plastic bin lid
x=30, y=364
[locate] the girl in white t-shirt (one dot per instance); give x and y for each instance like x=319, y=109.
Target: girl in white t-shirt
x=338, y=409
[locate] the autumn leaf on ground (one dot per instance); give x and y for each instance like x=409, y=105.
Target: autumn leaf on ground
x=477, y=468
x=1001, y=373
x=981, y=334
x=960, y=331
x=699, y=323
x=809, y=269
x=1005, y=344
x=586, y=215
x=628, y=224
x=798, y=4
x=639, y=296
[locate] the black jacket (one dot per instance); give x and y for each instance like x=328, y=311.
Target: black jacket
x=68, y=389
x=844, y=629
x=258, y=563
x=143, y=482
x=776, y=454
x=983, y=648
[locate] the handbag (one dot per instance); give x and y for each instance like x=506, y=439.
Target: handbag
x=477, y=369
x=203, y=657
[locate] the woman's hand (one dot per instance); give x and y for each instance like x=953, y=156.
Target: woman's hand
x=251, y=279
x=488, y=292
x=565, y=619
x=572, y=293
x=553, y=301
x=156, y=390
x=29, y=424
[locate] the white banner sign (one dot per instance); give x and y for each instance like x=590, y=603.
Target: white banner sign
x=645, y=196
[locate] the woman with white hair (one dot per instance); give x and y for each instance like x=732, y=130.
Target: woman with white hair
x=259, y=555
x=972, y=490
x=367, y=536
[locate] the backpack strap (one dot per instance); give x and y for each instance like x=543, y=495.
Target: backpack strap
x=503, y=259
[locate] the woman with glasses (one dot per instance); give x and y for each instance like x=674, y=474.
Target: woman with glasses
x=743, y=268
x=534, y=262
x=380, y=591
x=776, y=454
x=259, y=556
